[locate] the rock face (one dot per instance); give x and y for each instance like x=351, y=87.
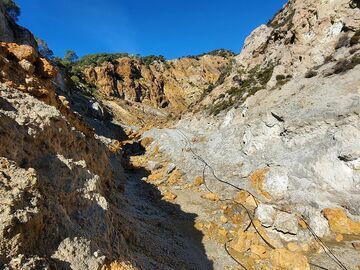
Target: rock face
x=11, y=32
x=177, y=83
x=292, y=138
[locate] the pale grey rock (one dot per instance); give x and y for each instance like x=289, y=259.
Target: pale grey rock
x=153, y=165
x=277, y=182
x=265, y=214
x=27, y=66
x=286, y=223
x=79, y=253
x=171, y=167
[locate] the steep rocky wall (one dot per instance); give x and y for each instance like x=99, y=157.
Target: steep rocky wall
x=303, y=35
x=177, y=83
x=291, y=140
x=11, y=32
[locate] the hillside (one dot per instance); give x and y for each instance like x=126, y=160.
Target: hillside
x=216, y=161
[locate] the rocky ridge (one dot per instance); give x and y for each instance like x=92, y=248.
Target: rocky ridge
x=174, y=84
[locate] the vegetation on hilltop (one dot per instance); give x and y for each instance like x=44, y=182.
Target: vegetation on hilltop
x=12, y=9
x=219, y=52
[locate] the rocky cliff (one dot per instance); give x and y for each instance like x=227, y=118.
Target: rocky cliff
x=284, y=127
x=176, y=84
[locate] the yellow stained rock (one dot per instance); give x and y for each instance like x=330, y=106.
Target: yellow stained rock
x=169, y=196
x=223, y=219
x=20, y=52
x=243, y=241
x=293, y=246
x=119, y=266
x=198, y=181
x=257, y=179
x=138, y=161
x=157, y=175
x=340, y=223
x=259, y=251
x=45, y=69
x=287, y=260
x=175, y=177
x=146, y=142
x=339, y=237
x=244, y=197
x=211, y=196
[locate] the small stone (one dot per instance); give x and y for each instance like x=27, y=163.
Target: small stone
x=286, y=223
x=169, y=196
x=170, y=168
x=211, y=196
x=146, y=142
x=265, y=214
x=175, y=177
x=223, y=219
x=244, y=240
x=198, y=181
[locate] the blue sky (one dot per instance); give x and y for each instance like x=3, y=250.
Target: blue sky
x=172, y=28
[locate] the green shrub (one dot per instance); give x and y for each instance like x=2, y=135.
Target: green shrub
x=343, y=41
x=310, y=73
x=264, y=76
x=12, y=9
x=280, y=77
x=355, y=39
x=148, y=60
x=345, y=65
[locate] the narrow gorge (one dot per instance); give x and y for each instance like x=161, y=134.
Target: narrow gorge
x=212, y=161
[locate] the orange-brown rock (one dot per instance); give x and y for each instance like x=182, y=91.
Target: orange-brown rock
x=198, y=181
x=119, y=266
x=175, y=177
x=169, y=196
x=177, y=83
x=45, y=69
x=340, y=223
x=146, y=142
x=287, y=260
x=211, y=196
x=244, y=197
x=259, y=252
x=244, y=240
x=257, y=179
x=20, y=52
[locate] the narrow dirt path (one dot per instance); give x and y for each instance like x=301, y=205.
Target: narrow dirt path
x=176, y=224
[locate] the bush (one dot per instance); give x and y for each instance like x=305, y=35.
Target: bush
x=12, y=9
x=345, y=65
x=280, y=77
x=148, y=60
x=355, y=4
x=355, y=39
x=342, y=42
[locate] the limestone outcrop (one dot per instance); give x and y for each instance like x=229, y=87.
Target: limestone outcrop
x=175, y=84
